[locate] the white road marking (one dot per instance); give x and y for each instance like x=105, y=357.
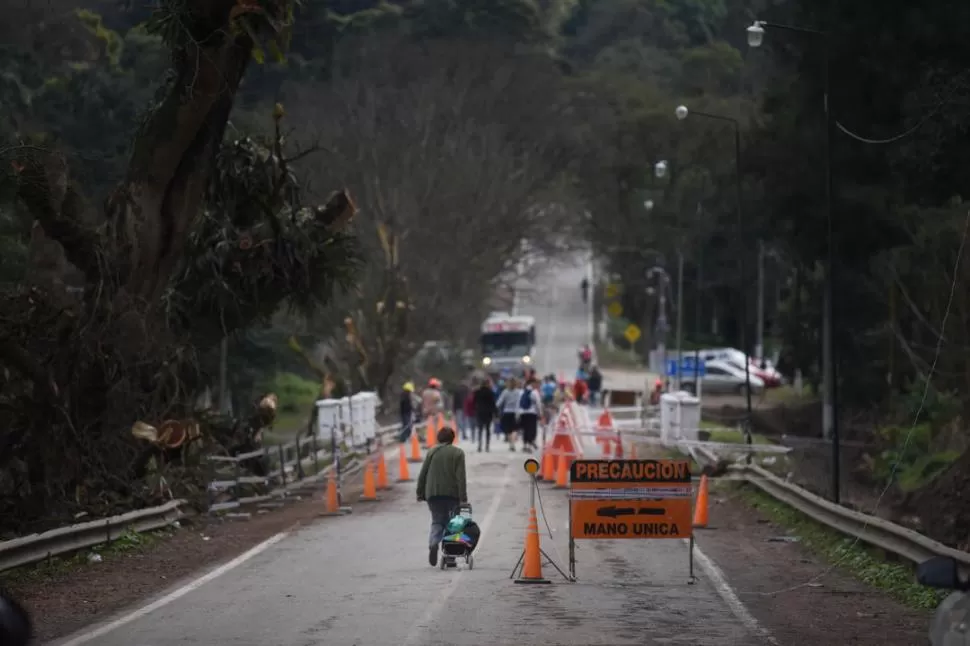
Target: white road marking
x=176, y=594
x=729, y=596
x=416, y=633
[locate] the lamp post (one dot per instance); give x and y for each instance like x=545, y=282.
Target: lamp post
x=682, y=113
x=660, y=171
x=830, y=419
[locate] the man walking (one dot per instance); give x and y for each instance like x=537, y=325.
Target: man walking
x=442, y=485
x=484, y=413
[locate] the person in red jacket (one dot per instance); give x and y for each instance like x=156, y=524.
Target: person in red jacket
x=580, y=391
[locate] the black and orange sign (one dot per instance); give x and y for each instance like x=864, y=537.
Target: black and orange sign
x=631, y=499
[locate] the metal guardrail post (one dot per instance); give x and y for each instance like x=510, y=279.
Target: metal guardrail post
x=237, y=474
x=316, y=458
x=282, y=454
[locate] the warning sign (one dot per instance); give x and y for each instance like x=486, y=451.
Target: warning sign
x=630, y=499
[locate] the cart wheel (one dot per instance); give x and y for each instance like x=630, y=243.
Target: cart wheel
x=471, y=562
x=442, y=561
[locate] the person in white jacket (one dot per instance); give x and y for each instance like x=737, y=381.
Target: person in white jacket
x=529, y=410
x=508, y=410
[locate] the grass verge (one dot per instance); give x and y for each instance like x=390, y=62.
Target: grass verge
x=617, y=358
x=127, y=543
x=865, y=563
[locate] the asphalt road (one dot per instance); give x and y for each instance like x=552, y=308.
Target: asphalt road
x=364, y=579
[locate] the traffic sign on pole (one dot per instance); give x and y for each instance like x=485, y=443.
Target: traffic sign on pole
x=632, y=333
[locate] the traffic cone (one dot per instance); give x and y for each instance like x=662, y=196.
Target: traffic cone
x=333, y=499
x=382, y=482
x=430, y=433
x=700, y=507
x=415, y=447
x=370, y=487
x=618, y=454
x=633, y=450
x=549, y=466
x=562, y=471
x=403, y=473
x=532, y=558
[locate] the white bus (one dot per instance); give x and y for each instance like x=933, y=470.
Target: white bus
x=508, y=343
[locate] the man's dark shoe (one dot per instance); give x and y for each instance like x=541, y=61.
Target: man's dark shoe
x=433, y=555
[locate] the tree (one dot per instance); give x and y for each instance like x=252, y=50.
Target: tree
x=199, y=240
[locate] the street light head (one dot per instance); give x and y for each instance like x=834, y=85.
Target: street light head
x=756, y=34
x=660, y=168
x=648, y=205
x=681, y=112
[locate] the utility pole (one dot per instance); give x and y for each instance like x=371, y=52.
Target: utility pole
x=680, y=316
x=759, y=344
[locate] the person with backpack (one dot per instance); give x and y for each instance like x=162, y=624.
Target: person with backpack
x=508, y=407
x=528, y=415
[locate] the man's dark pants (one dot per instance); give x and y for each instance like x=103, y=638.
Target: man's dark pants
x=442, y=510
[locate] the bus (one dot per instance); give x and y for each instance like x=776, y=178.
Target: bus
x=508, y=343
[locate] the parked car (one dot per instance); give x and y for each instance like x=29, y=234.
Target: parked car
x=771, y=377
x=722, y=378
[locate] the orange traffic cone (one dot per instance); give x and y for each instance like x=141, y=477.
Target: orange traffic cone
x=549, y=465
x=562, y=471
x=700, y=507
x=532, y=558
x=633, y=450
x=430, y=433
x=382, y=482
x=333, y=499
x=403, y=473
x=370, y=487
x=415, y=447
x=618, y=454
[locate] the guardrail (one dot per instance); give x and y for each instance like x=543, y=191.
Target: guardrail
x=290, y=469
x=872, y=530
x=37, y=547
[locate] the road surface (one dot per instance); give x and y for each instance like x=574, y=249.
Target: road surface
x=364, y=579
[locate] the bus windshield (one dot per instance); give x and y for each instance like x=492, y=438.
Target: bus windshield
x=506, y=344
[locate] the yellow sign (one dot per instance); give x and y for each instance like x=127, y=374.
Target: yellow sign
x=630, y=499
x=615, y=309
x=612, y=291
x=632, y=333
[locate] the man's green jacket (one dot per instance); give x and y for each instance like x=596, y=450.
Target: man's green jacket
x=443, y=474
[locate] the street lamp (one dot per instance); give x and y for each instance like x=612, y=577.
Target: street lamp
x=830, y=391
x=681, y=113
x=660, y=169
x=756, y=34
x=648, y=205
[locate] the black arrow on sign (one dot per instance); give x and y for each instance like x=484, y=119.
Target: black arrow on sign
x=614, y=512
x=652, y=511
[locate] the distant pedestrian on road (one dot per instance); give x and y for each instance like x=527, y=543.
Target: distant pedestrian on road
x=595, y=384
x=485, y=407
x=528, y=415
x=432, y=402
x=508, y=406
x=584, y=286
x=458, y=396
x=407, y=411
x=442, y=485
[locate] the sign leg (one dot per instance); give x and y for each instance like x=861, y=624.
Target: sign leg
x=517, y=565
x=690, y=547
